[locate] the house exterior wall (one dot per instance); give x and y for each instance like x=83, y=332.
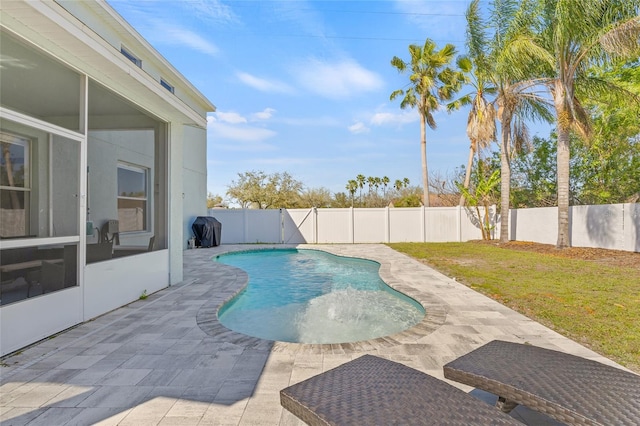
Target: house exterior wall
x=194, y=179
x=85, y=38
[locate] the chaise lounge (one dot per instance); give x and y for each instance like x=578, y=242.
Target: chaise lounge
x=372, y=390
x=569, y=388
x=375, y=391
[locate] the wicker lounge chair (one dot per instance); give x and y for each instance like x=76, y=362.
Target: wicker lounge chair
x=375, y=391
x=571, y=389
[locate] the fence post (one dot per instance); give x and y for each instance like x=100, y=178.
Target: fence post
x=245, y=226
x=387, y=231
x=315, y=225
x=351, y=226
x=423, y=225
x=459, y=223
x=281, y=227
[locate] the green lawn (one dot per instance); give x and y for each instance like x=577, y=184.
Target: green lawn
x=591, y=303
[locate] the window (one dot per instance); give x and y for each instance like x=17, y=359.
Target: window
x=132, y=198
x=15, y=189
x=130, y=56
x=166, y=85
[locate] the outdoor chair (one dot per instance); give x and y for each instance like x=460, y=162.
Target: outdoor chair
x=569, y=388
x=374, y=391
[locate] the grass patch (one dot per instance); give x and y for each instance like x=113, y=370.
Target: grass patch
x=594, y=304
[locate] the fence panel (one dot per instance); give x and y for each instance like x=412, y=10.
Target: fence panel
x=232, y=221
x=631, y=222
x=370, y=225
x=405, y=225
x=334, y=226
x=442, y=224
x=606, y=226
x=536, y=224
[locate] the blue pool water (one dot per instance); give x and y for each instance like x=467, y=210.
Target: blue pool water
x=311, y=296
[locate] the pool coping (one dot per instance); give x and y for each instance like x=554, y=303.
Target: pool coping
x=207, y=316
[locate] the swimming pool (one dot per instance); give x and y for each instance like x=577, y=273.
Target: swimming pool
x=310, y=296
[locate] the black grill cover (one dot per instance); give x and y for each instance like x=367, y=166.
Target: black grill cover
x=207, y=231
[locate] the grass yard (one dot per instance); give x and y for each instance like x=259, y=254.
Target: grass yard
x=589, y=295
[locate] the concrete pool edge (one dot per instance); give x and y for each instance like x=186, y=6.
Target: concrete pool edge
x=208, y=322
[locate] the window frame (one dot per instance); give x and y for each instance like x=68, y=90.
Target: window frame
x=15, y=139
x=146, y=173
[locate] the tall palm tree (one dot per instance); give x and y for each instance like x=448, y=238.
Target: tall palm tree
x=385, y=182
x=431, y=82
x=575, y=35
x=478, y=71
x=519, y=94
x=361, y=180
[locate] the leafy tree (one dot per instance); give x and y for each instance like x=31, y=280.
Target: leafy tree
x=316, y=197
x=431, y=81
x=608, y=167
x=258, y=189
x=410, y=196
x=213, y=200
x=482, y=193
x=576, y=34
x=534, y=176
x=340, y=200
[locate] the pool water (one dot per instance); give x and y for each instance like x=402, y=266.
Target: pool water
x=310, y=296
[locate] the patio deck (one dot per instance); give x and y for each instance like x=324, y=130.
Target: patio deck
x=167, y=361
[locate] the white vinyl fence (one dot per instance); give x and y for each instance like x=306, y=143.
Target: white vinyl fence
x=611, y=226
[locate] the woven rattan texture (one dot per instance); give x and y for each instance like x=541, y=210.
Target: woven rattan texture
x=571, y=389
x=375, y=391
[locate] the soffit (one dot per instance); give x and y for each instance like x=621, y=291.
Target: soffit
x=63, y=36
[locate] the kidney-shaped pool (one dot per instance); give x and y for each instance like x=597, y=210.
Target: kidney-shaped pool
x=310, y=296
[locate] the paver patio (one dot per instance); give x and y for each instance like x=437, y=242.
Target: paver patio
x=167, y=361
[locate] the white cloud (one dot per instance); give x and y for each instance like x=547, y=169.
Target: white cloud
x=162, y=32
x=264, y=85
x=210, y=9
x=251, y=136
x=358, y=127
x=231, y=126
x=336, y=80
x=386, y=118
x=265, y=114
x=226, y=117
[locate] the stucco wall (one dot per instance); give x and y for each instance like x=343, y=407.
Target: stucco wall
x=194, y=178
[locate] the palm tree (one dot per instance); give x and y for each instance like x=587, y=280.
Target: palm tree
x=361, y=180
x=481, y=121
x=431, y=82
x=575, y=35
x=385, y=182
x=497, y=70
x=352, y=187
x=518, y=97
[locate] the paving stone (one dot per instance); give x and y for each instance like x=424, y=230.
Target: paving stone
x=169, y=361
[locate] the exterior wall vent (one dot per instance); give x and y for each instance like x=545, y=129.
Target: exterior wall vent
x=130, y=56
x=166, y=85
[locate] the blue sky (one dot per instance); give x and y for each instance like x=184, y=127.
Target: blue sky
x=303, y=86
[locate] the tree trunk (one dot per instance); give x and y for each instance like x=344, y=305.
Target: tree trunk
x=505, y=177
x=467, y=175
x=563, y=157
x=423, y=152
